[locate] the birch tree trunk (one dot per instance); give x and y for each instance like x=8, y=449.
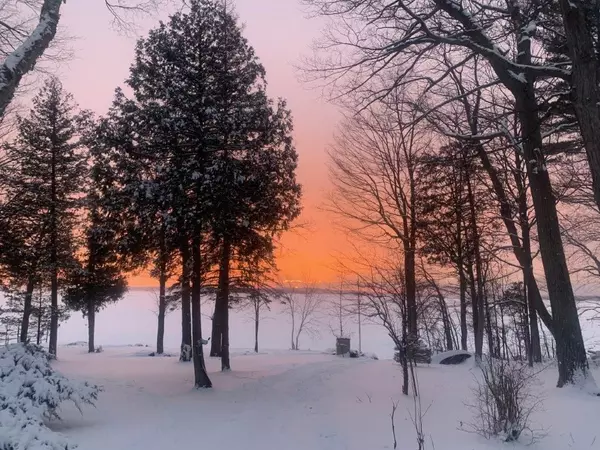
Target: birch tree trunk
x=24, y=57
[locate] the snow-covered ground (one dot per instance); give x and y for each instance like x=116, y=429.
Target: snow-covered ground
x=295, y=401
x=281, y=399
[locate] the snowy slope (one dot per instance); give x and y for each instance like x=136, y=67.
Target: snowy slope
x=294, y=401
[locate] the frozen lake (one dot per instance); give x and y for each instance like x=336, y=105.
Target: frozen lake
x=133, y=321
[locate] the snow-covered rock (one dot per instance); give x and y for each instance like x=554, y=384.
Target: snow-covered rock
x=451, y=357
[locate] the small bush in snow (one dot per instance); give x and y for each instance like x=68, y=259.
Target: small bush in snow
x=32, y=392
x=503, y=399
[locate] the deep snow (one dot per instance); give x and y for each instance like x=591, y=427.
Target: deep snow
x=295, y=401
x=281, y=399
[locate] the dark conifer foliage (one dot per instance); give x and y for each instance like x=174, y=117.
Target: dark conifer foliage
x=202, y=160
x=98, y=277
x=43, y=190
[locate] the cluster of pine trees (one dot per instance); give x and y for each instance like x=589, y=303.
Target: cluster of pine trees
x=190, y=175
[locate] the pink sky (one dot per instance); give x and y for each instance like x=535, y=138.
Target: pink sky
x=281, y=34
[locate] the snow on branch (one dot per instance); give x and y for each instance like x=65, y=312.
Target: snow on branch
x=30, y=393
x=24, y=57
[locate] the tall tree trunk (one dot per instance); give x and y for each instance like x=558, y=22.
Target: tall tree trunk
x=162, y=311
x=39, y=323
x=404, y=354
x=446, y=321
x=256, y=323
x=200, y=376
x=217, y=333
x=224, y=290
x=163, y=258
x=53, y=261
x=475, y=306
x=497, y=330
x=292, y=335
x=570, y=348
x=534, y=330
x=27, y=307
x=464, y=330
x=447, y=325
x=527, y=335
x=411, y=292
x=91, y=316
x=585, y=80
x=488, y=326
x=534, y=334
x=477, y=283
x=462, y=282
x=532, y=291
x=522, y=252
x=186, y=319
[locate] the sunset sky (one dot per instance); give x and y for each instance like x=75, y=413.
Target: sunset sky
x=281, y=33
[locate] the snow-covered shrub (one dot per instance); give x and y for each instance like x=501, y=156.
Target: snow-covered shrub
x=503, y=399
x=32, y=392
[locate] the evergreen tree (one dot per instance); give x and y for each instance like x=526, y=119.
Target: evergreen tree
x=250, y=182
x=98, y=278
x=201, y=150
x=163, y=268
x=44, y=186
x=21, y=253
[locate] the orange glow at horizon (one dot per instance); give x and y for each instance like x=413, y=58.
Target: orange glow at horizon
x=280, y=34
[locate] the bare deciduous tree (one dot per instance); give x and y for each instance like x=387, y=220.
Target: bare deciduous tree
x=339, y=310
x=384, y=295
x=23, y=45
x=374, y=163
x=302, y=306
x=380, y=47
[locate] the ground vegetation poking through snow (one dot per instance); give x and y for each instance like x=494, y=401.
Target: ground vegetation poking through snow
x=504, y=400
x=31, y=393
